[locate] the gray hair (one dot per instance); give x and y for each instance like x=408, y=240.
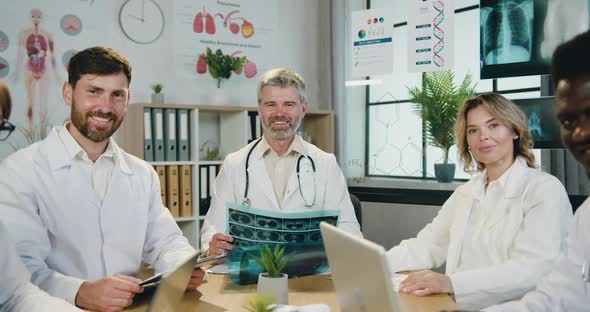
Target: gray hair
x=282, y=77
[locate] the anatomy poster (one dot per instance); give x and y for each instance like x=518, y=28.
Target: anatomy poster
x=35, y=48
x=430, y=35
x=238, y=28
x=372, y=50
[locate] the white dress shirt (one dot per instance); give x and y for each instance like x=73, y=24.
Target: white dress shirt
x=17, y=294
x=527, y=215
x=564, y=289
x=475, y=252
x=65, y=233
x=279, y=168
x=98, y=172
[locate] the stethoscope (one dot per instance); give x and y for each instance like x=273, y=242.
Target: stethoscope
x=246, y=201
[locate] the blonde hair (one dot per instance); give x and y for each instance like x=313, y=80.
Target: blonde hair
x=506, y=112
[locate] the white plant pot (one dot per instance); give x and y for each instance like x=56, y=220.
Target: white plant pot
x=157, y=97
x=278, y=287
x=216, y=97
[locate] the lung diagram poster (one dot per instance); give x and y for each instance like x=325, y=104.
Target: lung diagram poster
x=237, y=28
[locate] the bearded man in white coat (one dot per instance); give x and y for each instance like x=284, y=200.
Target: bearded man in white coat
x=84, y=214
x=280, y=171
x=567, y=286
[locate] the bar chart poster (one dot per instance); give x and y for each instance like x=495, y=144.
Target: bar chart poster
x=372, y=51
x=430, y=35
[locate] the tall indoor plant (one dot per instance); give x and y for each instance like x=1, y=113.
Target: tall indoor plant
x=438, y=102
x=272, y=280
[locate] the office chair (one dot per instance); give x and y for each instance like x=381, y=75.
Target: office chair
x=358, y=211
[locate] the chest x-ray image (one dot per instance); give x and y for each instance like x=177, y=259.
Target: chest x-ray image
x=518, y=37
x=507, y=31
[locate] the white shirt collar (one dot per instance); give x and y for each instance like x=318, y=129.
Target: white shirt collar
x=74, y=149
x=296, y=146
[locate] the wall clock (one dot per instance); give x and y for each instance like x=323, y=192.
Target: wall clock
x=142, y=21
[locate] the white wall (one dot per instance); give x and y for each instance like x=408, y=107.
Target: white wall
x=303, y=43
x=302, y=30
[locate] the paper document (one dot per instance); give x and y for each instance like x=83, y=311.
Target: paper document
x=218, y=269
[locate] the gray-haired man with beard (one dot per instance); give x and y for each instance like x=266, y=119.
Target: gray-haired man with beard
x=83, y=213
x=279, y=172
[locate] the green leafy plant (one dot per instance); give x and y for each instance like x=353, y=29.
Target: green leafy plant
x=222, y=65
x=273, y=261
x=260, y=303
x=438, y=102
x=157, y=88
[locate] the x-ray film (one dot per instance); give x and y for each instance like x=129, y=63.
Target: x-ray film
x=298, y=232
x=256, y=227
x=308, y=259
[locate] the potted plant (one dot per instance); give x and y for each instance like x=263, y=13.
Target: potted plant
x=222, y=65
x=157, y=96
x=272, y=280
x=260, y=303
x=438, y=102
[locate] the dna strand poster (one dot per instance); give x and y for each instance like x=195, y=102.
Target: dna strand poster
x=431, y=35
x=372, y=42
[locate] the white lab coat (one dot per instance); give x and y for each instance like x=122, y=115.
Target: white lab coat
x=65, y=235
x=563, y=289
x=524, y=236
x=330, y=189
x=17, y=294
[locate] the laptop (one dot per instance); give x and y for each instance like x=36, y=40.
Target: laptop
x=169, y=290
x=360, y=272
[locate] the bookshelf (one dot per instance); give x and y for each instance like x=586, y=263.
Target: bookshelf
x=227, y=127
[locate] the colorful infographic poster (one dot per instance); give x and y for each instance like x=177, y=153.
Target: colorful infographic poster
x=372, y=45
x=430, y=35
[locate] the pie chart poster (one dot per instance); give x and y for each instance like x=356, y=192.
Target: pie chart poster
x=372, y=46
x=37, y=39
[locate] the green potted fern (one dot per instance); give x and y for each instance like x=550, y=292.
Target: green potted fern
x=272, y=280
x=438, y=102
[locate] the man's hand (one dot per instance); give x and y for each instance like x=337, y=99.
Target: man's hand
x=426, y=282
x=196, y=279
x=112, y=293
x=220, y=244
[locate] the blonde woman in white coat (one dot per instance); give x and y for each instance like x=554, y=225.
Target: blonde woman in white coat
x=499, y=232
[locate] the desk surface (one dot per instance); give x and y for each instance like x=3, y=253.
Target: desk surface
x=219, y=294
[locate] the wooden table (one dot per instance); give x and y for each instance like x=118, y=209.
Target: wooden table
x=220, y=294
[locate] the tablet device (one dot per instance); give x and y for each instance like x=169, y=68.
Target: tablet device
x=200, y=262
x=209, y=260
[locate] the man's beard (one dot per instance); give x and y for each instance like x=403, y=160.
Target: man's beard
x=80, y=121
x=281, y=134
